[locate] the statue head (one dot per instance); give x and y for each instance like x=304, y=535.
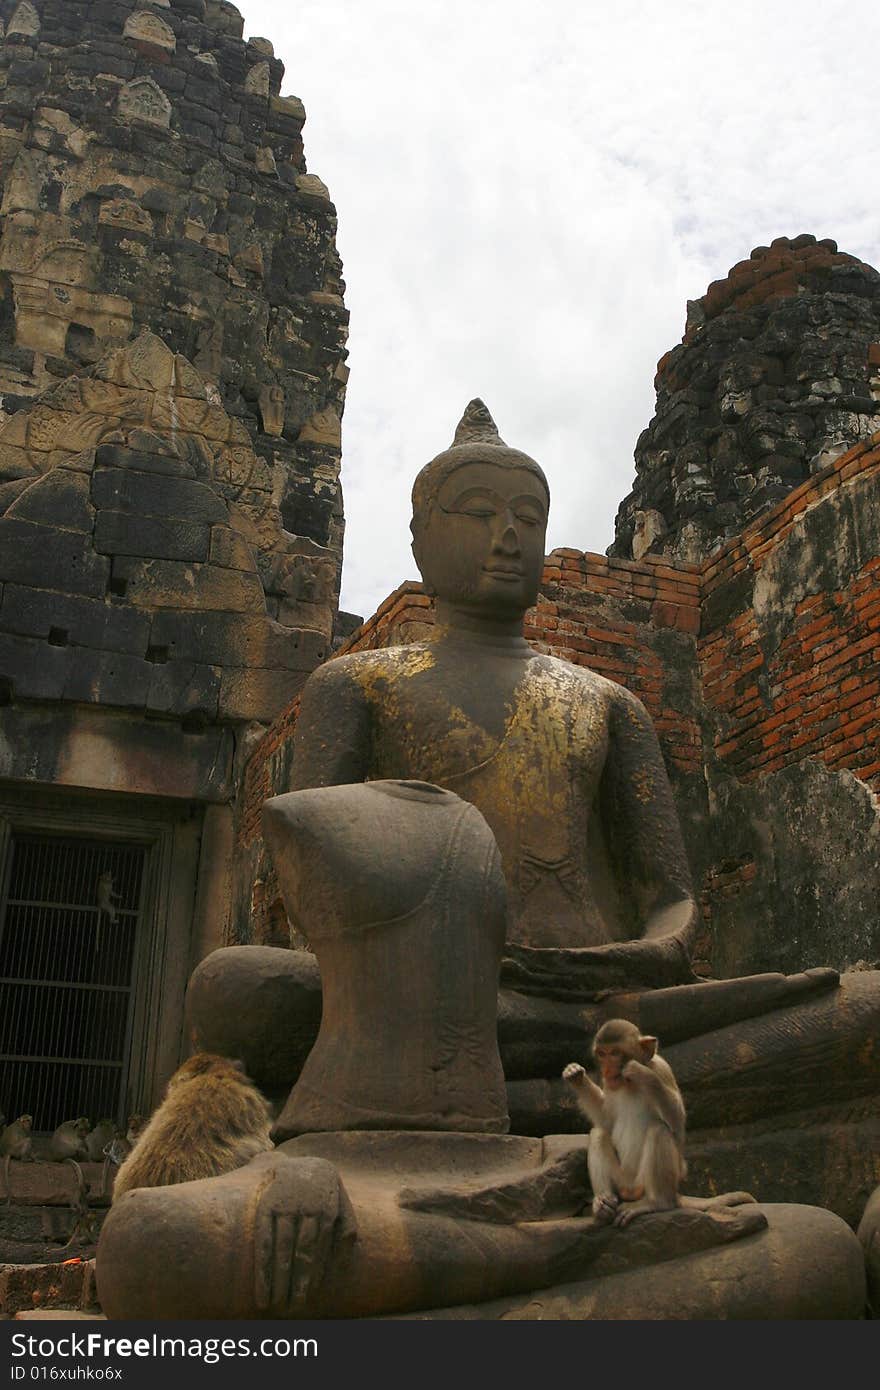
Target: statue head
x=479, y=521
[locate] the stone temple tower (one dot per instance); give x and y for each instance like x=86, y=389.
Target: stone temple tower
x=172, y=374
x=153, y=177
x=778, y=373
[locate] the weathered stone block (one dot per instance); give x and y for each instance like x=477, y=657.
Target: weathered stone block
x=224, y=18
x=46, y=558
x=257, y=693
x=150, y=35
x=35, y=670
x=230, y=549
x=87, y=622
x=257, y=80
x=156, y=494
x=117, y=456
x=25, y=22
x=104, y=750
x=59, y=498
x=225, y=639
x=143, y=100
x=119, y=533
x=170, y=584
x=184, y=687
x=107, y=678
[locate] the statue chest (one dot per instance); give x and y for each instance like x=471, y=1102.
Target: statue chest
x=535, y=783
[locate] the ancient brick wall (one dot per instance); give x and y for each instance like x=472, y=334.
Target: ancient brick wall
x=778, y=373
x=790, y=666
x=152, y=176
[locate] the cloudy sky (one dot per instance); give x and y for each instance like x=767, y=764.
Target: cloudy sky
x=528, y=195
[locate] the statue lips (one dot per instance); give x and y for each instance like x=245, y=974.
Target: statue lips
x=503, y=572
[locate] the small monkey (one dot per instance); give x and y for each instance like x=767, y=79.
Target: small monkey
x=98, y=1138
x=212, y=1120
x=68, y=1145
x=114, y=1153
x=636, y=1147
x=107, y=899
x=69, y=1140
x=16, y=1142
x=134, y=1129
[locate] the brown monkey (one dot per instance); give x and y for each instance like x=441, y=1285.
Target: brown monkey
x=115, y=1153
x=98, y=1138
x=212, y=1120
x=134, y=1130
x=69, y=1140
x=636, y=1147
x=107, y=900
x=68, y=1145
x=16, y=1142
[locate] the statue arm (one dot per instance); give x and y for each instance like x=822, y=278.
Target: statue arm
x=644, y=835
x=332, y=745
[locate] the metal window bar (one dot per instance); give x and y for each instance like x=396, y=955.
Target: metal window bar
x=70, y=925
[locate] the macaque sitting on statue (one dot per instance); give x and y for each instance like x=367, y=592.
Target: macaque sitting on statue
x=636, y=1150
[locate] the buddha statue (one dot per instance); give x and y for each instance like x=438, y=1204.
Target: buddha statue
x=360, y=1207
x=566, y=768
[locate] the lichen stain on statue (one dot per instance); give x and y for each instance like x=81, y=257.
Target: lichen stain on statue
x=397, y=1209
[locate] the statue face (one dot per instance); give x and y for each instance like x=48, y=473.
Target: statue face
x=482, y=546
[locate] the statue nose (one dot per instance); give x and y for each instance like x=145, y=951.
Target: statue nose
x=506, y=537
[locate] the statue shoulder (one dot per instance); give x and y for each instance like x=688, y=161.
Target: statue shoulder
x=358, y=670
x=580, y=680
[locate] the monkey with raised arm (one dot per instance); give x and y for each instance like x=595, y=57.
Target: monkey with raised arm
x=212, y=1120
x=635, y=1154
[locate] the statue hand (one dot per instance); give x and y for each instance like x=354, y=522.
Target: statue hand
x=302, y=1215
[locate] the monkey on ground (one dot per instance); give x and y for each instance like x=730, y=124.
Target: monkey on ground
x=68, y=1145
x=635, y=1154
x=98, y=1138
x=16, y=1142
x=69, y=1140
x=212, y=1120
x=115, y=1152
x=136, y=1126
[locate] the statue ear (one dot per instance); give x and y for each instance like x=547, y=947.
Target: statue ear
x=648, y=1047
x=418, y=556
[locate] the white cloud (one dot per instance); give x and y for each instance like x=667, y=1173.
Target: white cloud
x=526, y=199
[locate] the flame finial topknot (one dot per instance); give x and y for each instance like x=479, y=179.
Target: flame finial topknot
x=476, y=426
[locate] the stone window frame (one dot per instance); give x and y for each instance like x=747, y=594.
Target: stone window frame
x=163, y=962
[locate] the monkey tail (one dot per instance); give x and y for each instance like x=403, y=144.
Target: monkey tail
x=81, y=1182
x=723, y=1199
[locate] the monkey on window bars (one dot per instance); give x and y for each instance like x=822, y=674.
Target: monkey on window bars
x=107, y=899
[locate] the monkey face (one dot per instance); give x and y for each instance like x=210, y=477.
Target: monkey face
x=612, y=1059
